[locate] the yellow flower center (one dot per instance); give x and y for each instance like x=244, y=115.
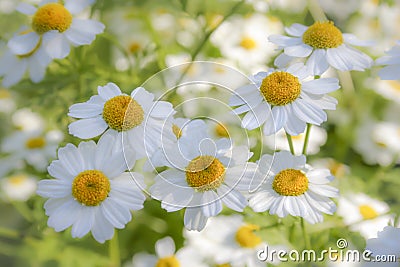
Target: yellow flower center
x=122, y=113
x=90, y=187
x=170, y=261
x=4, y=94
x=223, y=265
x=177, y=131
x=290, y=182
x=246, y=238
x=35, y=143
x=134, y=47
x=368, y=212
x=322, y=35
x=248, y=43
x=221, y=131
x=51, y=16
x=280, y=88
x=18, y=179
x=205, y=173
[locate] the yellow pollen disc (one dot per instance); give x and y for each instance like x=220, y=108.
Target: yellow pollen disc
x=122, y=113
x=205, y=173
x=368, y=212
x=177, y=131
x=290, y=182
x=4, y=94
x=134, y=47
x=221, y=131
x=248, y=43
x=35, y=143
x=17, y=179
x=90, y=187
x=246, y=238
x=51, y=16
x=280, y=88
x=171, y=261
x=322, y=35
x=223, y=265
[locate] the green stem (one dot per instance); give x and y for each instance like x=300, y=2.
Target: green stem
x=114, y=252
x=290, y=141
x=9, y=233
x=306, y=238
x=24, y=210
x=316, y=11
x=304, y=152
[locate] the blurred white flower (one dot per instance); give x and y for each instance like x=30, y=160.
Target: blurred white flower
x=392, y=60
x=7, y=103
x=18, y=187
x=378, y=142
x=243, y=40
x=35, y=147
x=166, y=256
x=317, y=138
x=26, y=120
x=236, y=245
x=363, y=214
x=338, y=169
x=389, y=89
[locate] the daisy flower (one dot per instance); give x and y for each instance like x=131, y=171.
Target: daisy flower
x=204, y=174
x=236, y=245
x=7, y=103
x=284, y=99
x=242, y=40
x=35, y=147
x=33, y=59
x=324, y=45
x=56, y=25
x=392, y=60
x=387, y=243
x=19, y=187
x=167, y=256
x=91, y=190
x=293, y=187
x=363, y=214
x=26, y=120
x=137, y=118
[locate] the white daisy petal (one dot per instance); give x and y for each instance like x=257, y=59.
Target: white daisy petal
x=83, y=31
x=144, y=98
x=108, y=91
x=165, y=247
x=255, y=118
x=70, y=209
x=162, y=109
x=115, y=214
x=353, y=40
x=212, y=206
x=87, y=128
x=83, y=224
x=57, y=170
x=75, y=7
x=26, y=9
x=294, y=126
x=321, y=203
x=84, y=110
x=232, y=198
x=71, y=159
x=102, y=230
x=261, y=201
x=54, y=188
x=317, y=63
x=56, y=44
x=301, y=50
x=296, y=29
x=325, y=190
x=309, y=113
x=279, y=118
x=23, y=44
x=321, y=86
x=194, y=219
x=284, y=40
x=283, y=60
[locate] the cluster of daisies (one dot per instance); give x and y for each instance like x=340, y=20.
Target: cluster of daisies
x=55, y=26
